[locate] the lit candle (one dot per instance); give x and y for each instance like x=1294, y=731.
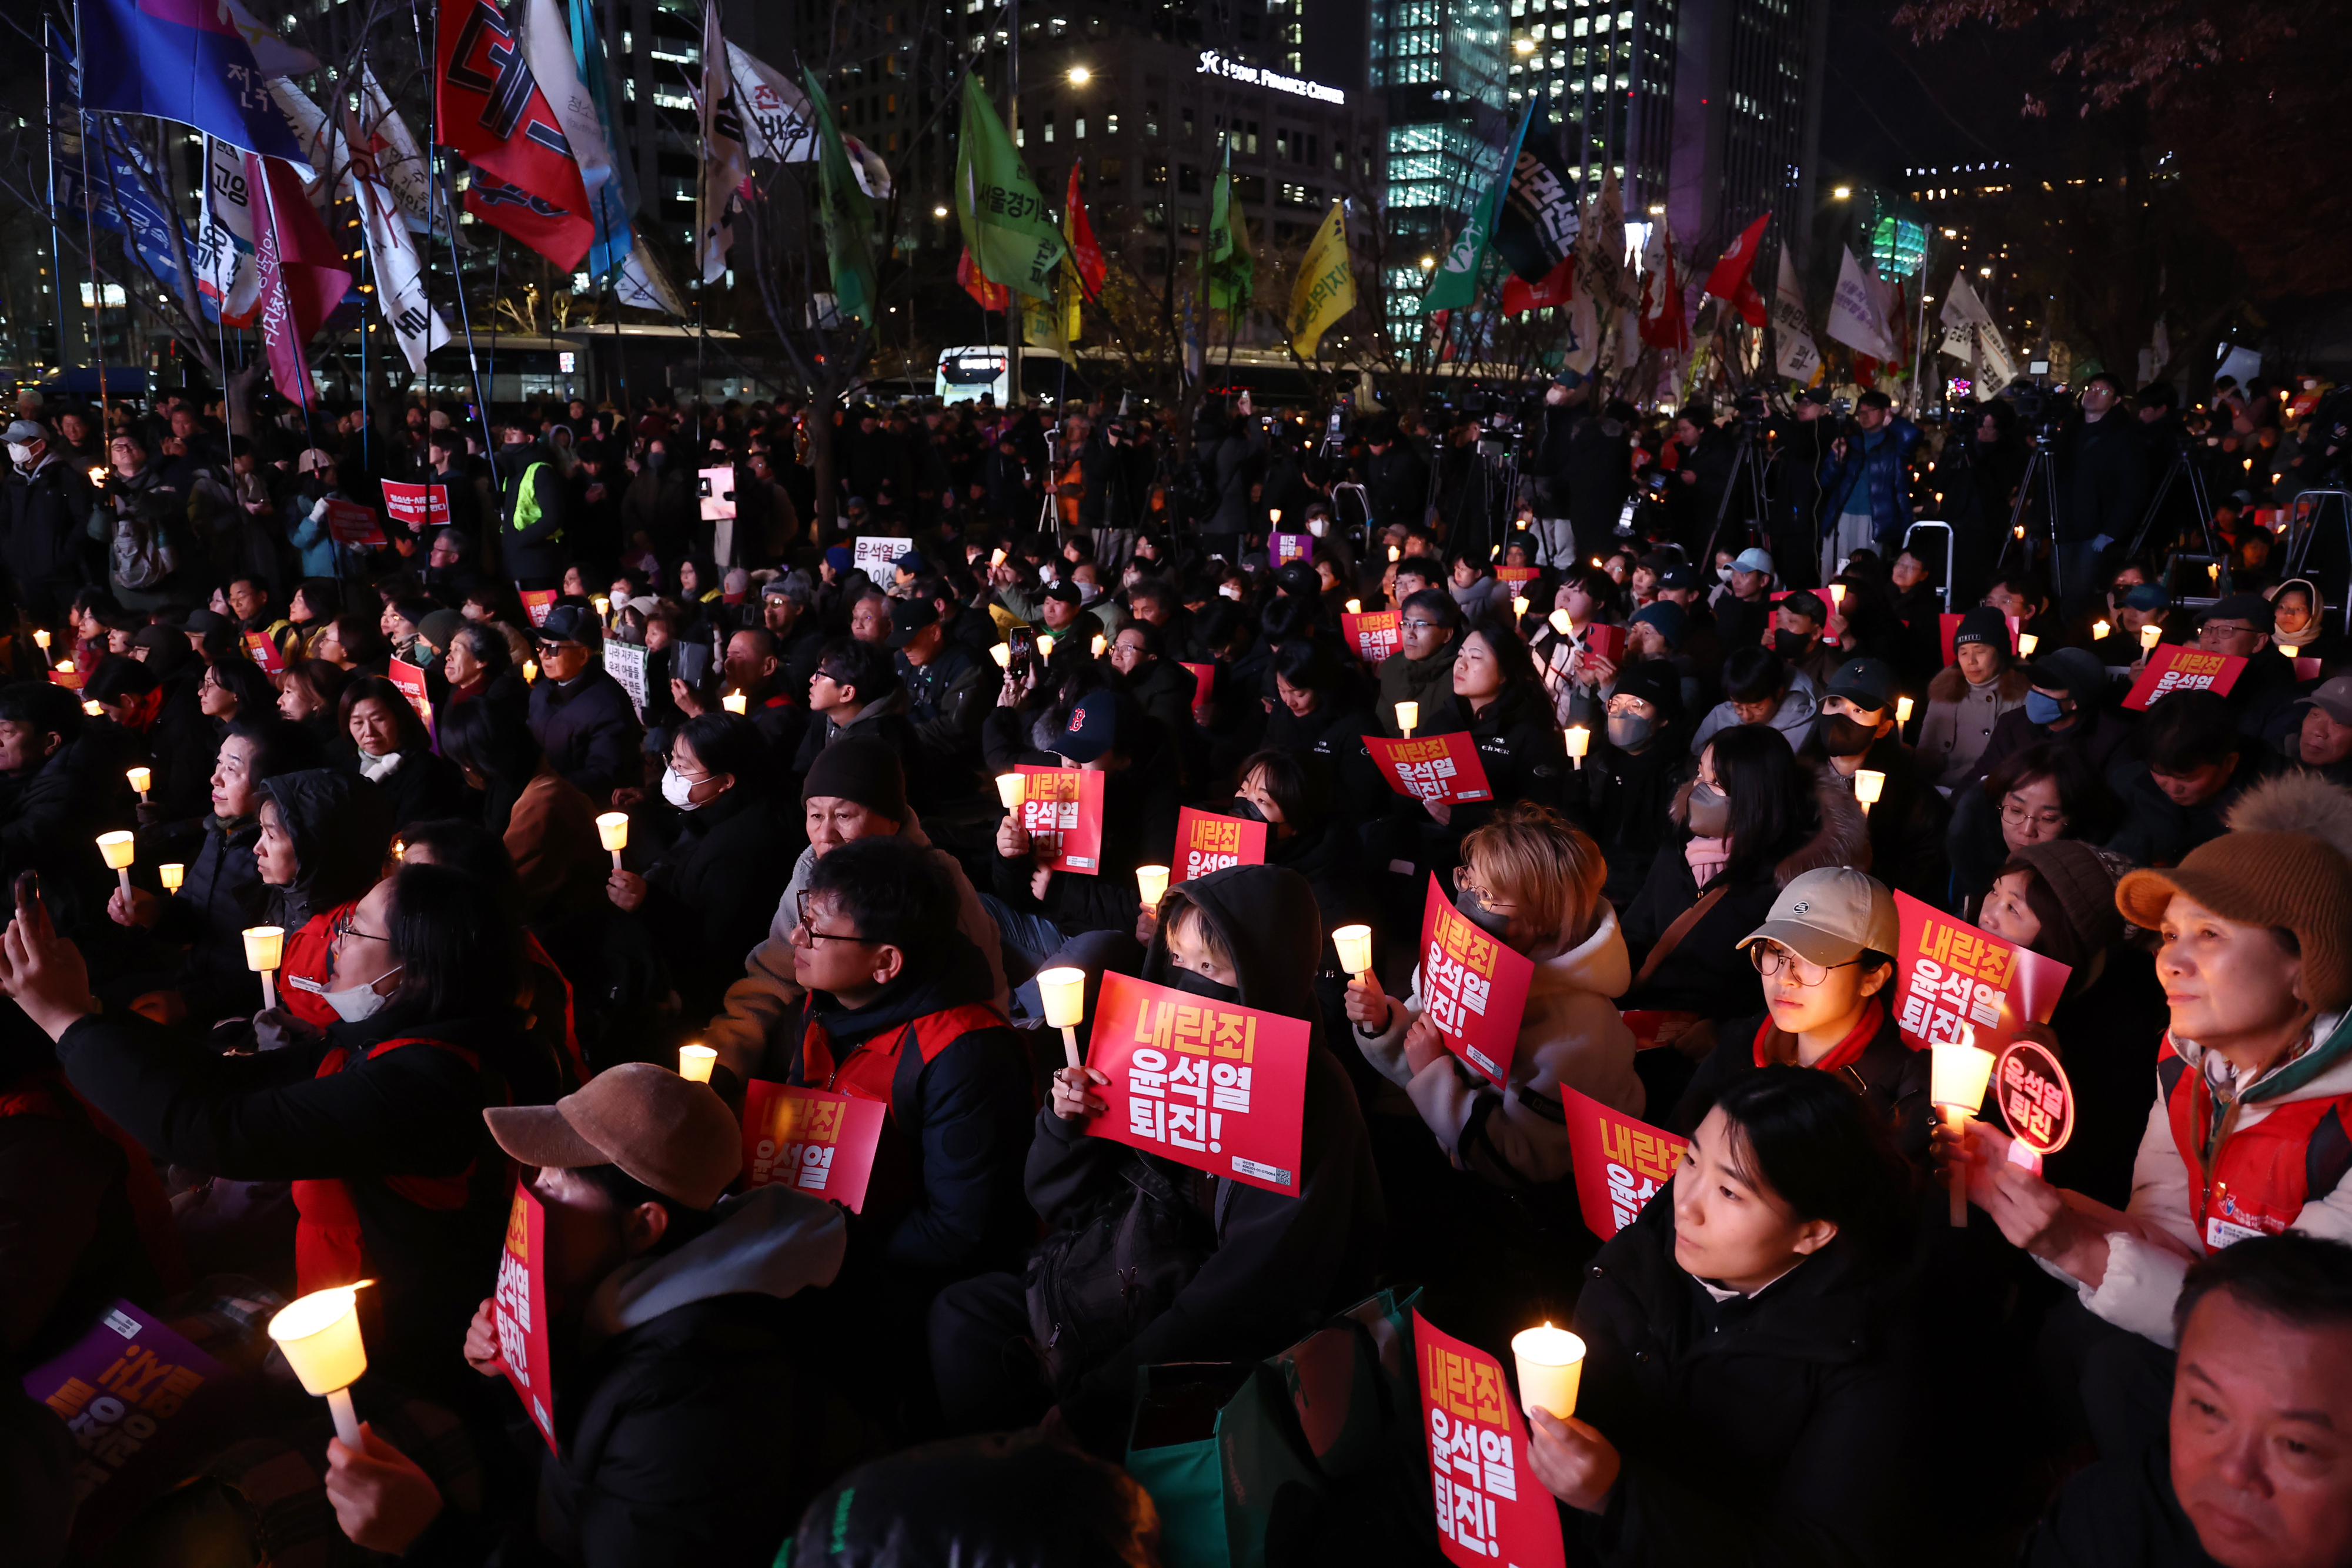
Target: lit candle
x=1355, y=607
x=2213, y=570
x=140, y=779
x=1563, y=623
x=1045, y=646
x=1008, y=789
x=1902, y=710
x=1837, y=595
x=735, y=702
x=1551, y=1363
x=612, y=830
x=1408, y=715
x=1519, y=605
x=64, y=667
x=2099, y=630
x=2026, y=642
x=1496, y=554
x=1064, y=994
x=40, y=639
x=1151, y=881
x=1274, y=517
x=603, y=604
x=400, y=850
x=1355, y=945
x=172, y=873
x=1395, y=555
x=998, y=559
x=1002, y=654
x=1958, y=1071
x=1579, y=741
x=93, y=710
x=265, y=949
x=1100, y=645
x=117, y=848
x=1867, y=783
x=530, y=671
x=695, y=1063
x=2149, y=636
x=320, y=1336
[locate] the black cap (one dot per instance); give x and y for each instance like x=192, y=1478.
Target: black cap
x=912, y=562
x=1868, y=683
x=1066, y=590
x=2251, y=608
x=1103, y=721
x=1981, y=624
x=571, y=624
x=1682, y=574
x=907, y=617
x=2073, y=670
x=1655, y=682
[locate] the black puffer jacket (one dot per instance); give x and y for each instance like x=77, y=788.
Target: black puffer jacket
x=590, y=733
x=1889, y=1074
x=222, y=896
x=710, y=895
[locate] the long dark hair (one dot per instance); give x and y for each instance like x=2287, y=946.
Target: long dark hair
x=505, y=754
x=460, y=955
x=1523, y=688
x=1770, y=794
x=1816, y=1142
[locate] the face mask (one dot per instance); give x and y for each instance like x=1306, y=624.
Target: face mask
x=1845, y=737
x=1478, y=915
x=1791, y=644
x=1201, y=986
x=1247, y=809
x=359, y=1001
x=675, y=791
x=1630, y=731
x=20, y=454
x=1710, y=812
x=1229, y=590
x=1723, y=574
x=2040, y=709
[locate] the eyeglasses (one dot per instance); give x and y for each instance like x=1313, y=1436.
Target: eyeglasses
x=801, y=907
x=2017, y=816
x=1417, y=625
x=347, y=925
x=1486, y=901
x=1770, y=959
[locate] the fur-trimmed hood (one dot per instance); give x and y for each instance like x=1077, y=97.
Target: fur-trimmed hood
x=1951, y=686
x=1843, y=837
x=2296, y=801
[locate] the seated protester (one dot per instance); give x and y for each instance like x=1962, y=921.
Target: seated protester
x=165, y=714
x=1826, y=953
x=1319, y=706
x=311, y=695
x=1059, y=610
x=709, y=895
x=2252, y=1469
x=1759, y=688
x=2298, y=615
x=549, y=827
x=2197, y=762
x=2040, y=795
x=1915, y=613
x=1968, y=697
x=896, y=1008
x=857, y=692
x=2253, y=1077
x=2068, y=700
x=480, y=666
x=1623, y=793
x=1481, y=595
x=221, y=894
x=949, y=692
x=799, y=641
x=1743, y=606
x=377, y=1124
x=1534, y=882
x=2021, y=596
x=1797, y=638
x=1856, y=729
x=54, y=800
x=2056, y=897
x=234, y=687
x=326, y=840
x=1655, y=633
x=1749, y=1392
x=751, y=667
x=1572, y=672
x=1231, y=1271
x=679, y=1315
x=1421, y=670
x=2316, y=731
x=1161, y=687
x=1306, y=835
x=2240, y=625
x=1699, y=652
x=1499, y=699
x=396, y=755
x=1156, y=601
x=1753, y=820
x=579, y=714
x=355, y=644
x=2142, y=604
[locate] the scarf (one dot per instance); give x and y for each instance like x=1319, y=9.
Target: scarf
x=376, y=769
x=1777, y=1045
x=1707, y=857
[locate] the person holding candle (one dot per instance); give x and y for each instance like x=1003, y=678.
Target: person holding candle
x=1637, y=762
x=1307, y=831
x=326, y=840
x=1965, y=700
x=156, y=702
x=1422, y=669
x=1855, y=730
x=58, y=791
x=1499, y=699
x=549, y=825
x=1749, y=1391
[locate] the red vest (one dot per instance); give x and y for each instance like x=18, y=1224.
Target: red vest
x=870, y=1069
x=328, y=1247
x=49, y=1095
x=2261, y=1176
x=309, y=955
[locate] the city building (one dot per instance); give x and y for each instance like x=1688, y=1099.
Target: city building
x=1439, y=65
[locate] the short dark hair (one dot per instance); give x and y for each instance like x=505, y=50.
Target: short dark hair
x=1751, y=673
x=2302, y=1279
x=280, y=745
x=1155, y=640
x=890, y=892
x=866, y=666
x=1300, y=787
x=1310, y=666
x=627, y=1192
x=472, y=848
x=46, y=706
x=472, y=737
x=1433, y=604
x=460, y=953
x=2190, y=729
x=728, y=743
x=1153, y=590
x=1817, y=1143
x=360, y=688
x=2091, y=808
x=244, y=680
x=1874, y=398
x=487, y=645
x=1426, y=568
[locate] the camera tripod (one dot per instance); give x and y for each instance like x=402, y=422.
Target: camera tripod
x=1748, y=464
x=2182, y=466
x=2039, y=465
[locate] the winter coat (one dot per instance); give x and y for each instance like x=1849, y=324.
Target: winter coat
x=72, y=1245
x=48, y=517
x=1428, y=681
x=1621, y=799
x=947, y=699
x=423, y=787
x=588, y=731
x=710, y=894
x=1793, y=718
x=1140, y=806
x=2100, y=736
x=1907, y=823
x=1889, y=1074
x=341, y=829
x=1960, y=720
x=551, y=835
x=48, y=818
x=534, y=547
x=316, y=551
x=222, y=896
x=2121, y=1513
x=2102, y=477
x=2156, y=830
x=1780, y=1428
x=1873, y=469
x=1397, y=482
x=2108, y=1021
x=1570, y=1034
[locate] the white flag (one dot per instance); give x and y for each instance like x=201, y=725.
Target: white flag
x=724, y=164
x=873, y=174
x=319, y=141
x=272, y=55
x=398, y=159
x=1799, y=359
x=1971, y=335
x=1855, y=318
x=547, y=49
x=643, y=283
x=778, y=123
x=227, y=270
x=393, y=265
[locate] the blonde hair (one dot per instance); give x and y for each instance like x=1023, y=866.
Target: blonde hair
x=1529, y=856
x=1178, y=912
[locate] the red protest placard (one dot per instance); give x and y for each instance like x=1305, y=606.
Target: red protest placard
x=1490, y=1507
x=2034, y=1097
x=1516, y=575
x=1207, y=843
x=1374, y=635
x=411, y=682
x=1442, y=768
x=349, y=523
x=1955, y=982
x=2179, y=667
x=68, y=677
x=519, y=1307
x=1221, y=1089
x=1472, y=987
x=1204, y=684
x=537, y=603
x=417, y=507
x=1603, y=641
x=265, y=653
x=1062, y=808
x=818, y=1141
x=1288, y=548
x=1620, y=1163
x=2307, y=671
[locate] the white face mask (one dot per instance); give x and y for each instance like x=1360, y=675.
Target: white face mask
x=677, y=791
x=359, y=1001
x=20, y=454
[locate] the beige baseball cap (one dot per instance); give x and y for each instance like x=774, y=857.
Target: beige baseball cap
x=1830, y=915
x=676, y=1136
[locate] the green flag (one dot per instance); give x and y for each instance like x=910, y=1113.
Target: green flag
x=846, y=213
x=1224, y=249
x=1011, y=238
x=1456, y=283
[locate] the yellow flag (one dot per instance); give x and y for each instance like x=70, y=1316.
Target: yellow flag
x=1326, y=287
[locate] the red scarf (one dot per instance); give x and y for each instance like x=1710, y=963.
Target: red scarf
x=139, y=711
x=1846, y=1054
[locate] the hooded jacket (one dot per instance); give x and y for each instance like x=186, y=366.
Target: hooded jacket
x=1281, y=1265
x=1570, y=1033
x=47, y=514
x=710, y=895
x=341, y=828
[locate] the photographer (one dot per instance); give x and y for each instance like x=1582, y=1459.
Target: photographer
x=2102, y=488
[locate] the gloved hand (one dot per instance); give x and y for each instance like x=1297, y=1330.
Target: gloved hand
x=319, y=509
x=274, y=1028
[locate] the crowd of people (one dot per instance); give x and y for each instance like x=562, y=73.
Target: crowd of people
x=410, y=741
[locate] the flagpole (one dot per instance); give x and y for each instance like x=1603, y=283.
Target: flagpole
x=57, y=236
x=89, y=251
x=1013, y=313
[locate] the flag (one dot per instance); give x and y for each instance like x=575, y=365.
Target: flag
x=1325, y=289
x=117, y=198
x=1455, y=284
x=873, y=174
x=302, y=275
x=998, y=205
x=399, y=161
x=1225, y=258
x=1581, y=351
x=1971, y=335
x=272, y=55
x=988, y=295
x=1536, y=231
x=612, y=201
x=777, y=121
x=222, y=255
x=318, y=138
x=1086, y=255
x=182, y=60
x=1556, y=286
x=1601, y=269
x=1731, y=280
x=843, y=213
x=547, y=48
x=1792, y=331
x=525, y=179
x=645, y=284
x=725, y=165
x=392, y=263
x=1855, y=317
x=1664, y=324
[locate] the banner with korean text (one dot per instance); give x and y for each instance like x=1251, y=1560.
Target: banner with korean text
x=1204, y=687
x=350, y=523
x=1287, y=548
x=1491, y=1509
x=820, y=1142
x=1219, y=1088
x=1374, y=634
x=1953, y=981
x=1443, y=769
x=2179, y=667
x=1062, y=809
x=1473, y=988
x=263, y=653
x=519, y=1307
x=411, y=682
x=1207, y=843
x=1620, y=1161
x=417, y=507
x=537, y=603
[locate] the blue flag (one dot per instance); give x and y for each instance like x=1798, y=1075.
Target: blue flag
x=182, y=60
x=609, y=203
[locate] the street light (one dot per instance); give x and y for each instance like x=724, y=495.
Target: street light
x=1428, y=263
x=939, y=212
x=1080, y=75
x=1843, y=193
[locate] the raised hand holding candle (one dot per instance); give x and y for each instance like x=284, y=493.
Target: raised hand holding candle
x=1008, y=789
x=2099, y=631
x=265, y=949
x=173, y=873
x=118, y=851
x=141, y=778
x=1551, y=1364
x=1867, y=785
x=319, y=1334
x=1958, y=1071
x=1355, y=947
x=695, y=1063
x=612, y=830
x=1563, y=623
x=2149, y=636
x=1064, y=994
x=1408, y=717
x=1519, y=605
x=998, y=558
x=1151, y=881
x=1837, y=595
x=1045, y=646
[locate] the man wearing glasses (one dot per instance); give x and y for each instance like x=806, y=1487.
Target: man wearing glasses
x=1422, y=671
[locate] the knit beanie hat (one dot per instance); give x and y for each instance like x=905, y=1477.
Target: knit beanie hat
x=861, y=768
x=2082, y=880
x=1981, y=624
x=2286, y=861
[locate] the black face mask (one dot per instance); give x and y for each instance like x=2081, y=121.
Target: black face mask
x=1201, y=986
x=1478, y=915
x=1791, y=645
x=1245, y=809
x=1845, y=737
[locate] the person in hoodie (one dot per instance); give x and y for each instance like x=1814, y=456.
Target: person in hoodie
x=1307, y=833
x=1227, y=1271
x=326, y=840
x=46, y=505
x=158, y=701
x=1760, y=688
x=680, y=1327
x=1534, y=882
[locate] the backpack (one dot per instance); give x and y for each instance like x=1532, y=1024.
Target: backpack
x=1093, y=1288
x=138, y=566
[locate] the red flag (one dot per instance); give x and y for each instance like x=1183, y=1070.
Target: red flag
x=1556, y=286
x=525, y=178
x=1664, y=325
x=1085, y=254
x=302, y=275
x=991, y=296
x=1729, y=280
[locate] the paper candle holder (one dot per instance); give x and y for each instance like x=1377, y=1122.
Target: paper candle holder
x=1519, y=605
x=1868, y=783
x=1151, y=882
x=142, y=780
x=2149, y=636
x=93, y=710
x=997, y=558
x=40, y=640
x=1045, y=646
x=1408, y=717
x=695, y=1063
x=1957, y=1072
x=1579, y=741
x=2099, y=630
x=2026, y=642
x=1100, y=645
x=319, y=1334
x=173, y=874
x=612, y=833
x=1395, y=555
x=736, y=703
x=1064, y=993
x=118, y=849
x=1550, y=1366
x=1902, y=710
x=1002, y=654
x=1355, y=947
x=1562, y=622
x=1009, y=787
x=1355, y=607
